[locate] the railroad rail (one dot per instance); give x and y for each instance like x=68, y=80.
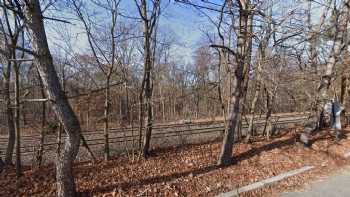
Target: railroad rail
x=162, y=134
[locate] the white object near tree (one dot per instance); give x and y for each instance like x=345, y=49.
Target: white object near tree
x=333, y=110
x=337, y=108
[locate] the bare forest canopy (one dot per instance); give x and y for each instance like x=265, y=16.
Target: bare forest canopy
x=185, y=82
x=77, y=66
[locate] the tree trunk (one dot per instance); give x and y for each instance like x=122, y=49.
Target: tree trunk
x=148, y=90
x=260, y=62
x=43, y=125
x=127, y=102
x=313, y=36
x=322, y=92
x=88, y=113
x=2, y=165
x=106, y=120
x=237, y=86
x=345, y=74
x=148, y=84
x=162, y=104
x=312, y=39
x=17, y=121
x=141, y=116
x=270, y=99
x=10, y=119
x=247, y=61
x=252, y=110
x=44, y=62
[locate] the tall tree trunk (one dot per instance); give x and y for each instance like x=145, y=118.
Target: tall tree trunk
x=147, y=29
x=43, y=125
x=162, y=103
x=127, y=102
x=10, y=119
x=253, y=106
x=313, y=36
x=345, y=74
x=312, y=39
x=106, y=119
x=322, y=92
x=141, y=115
x=345, y=68
x=270, y=99
x=2, y=165
x=260, y=62
x=43, y=60
x=88, y=113
x=237, y=85
x=247, y=61
x=148, y=89
x=17, y=120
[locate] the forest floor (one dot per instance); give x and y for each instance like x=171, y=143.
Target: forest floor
x=191, y=171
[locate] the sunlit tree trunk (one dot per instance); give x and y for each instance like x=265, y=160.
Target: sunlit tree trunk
x=43, y=60
x=237, y=85
x=149, y=20
x=43, y=125
x=322, y=91
x=148, y=85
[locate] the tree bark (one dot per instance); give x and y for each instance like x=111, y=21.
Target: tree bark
x=313, y=33
x=148, y=90
x=2, y=165
x=247, y=61
x=260, y=63
x=43, y=125
x=10, y=118
x=148, y=25
x=106, y=120
x=43, y=60
x=345, y=74
x=270, y=99
x=237, y=85
x=313, y=124
x=253, y=106
x=17, y=120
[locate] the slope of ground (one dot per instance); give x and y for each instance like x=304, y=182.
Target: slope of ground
x=191, y=170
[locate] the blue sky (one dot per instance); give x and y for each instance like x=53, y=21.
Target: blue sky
x=186, y=23
x=183, y=22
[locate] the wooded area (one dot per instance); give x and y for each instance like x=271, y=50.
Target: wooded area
x=117, y=77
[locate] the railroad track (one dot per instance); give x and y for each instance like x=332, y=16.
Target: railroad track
x=126, y=136
x=155, y=127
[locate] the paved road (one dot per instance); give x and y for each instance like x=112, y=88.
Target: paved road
x=336, y=185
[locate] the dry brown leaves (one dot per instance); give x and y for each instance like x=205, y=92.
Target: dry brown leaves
x=191, y=170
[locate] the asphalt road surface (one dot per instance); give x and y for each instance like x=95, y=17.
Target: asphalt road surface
x=335, y=185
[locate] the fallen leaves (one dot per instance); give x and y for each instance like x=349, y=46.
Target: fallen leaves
x=190, y=171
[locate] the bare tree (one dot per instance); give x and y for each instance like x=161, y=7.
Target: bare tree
x=238, y=78
x=149, y=23
x=12, y=31
x=109, y=62
x=6, y=54
x=33, y=18
x=261, y=60
x=340, y=20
